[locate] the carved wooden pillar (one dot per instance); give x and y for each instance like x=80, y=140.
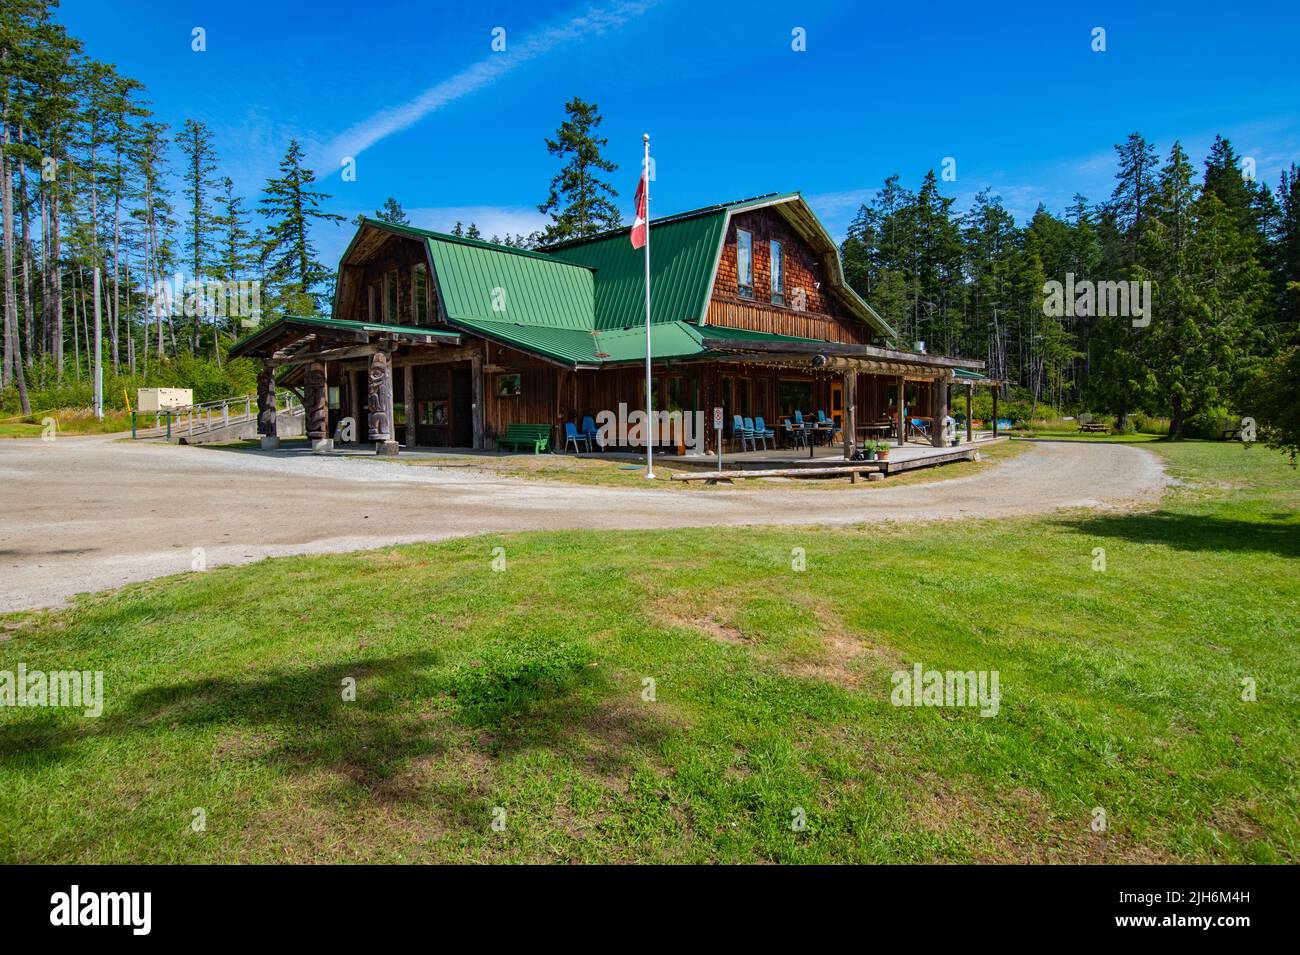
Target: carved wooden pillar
x=379, y=402
x=266, y=406
x=316, y=393
x=939, y=402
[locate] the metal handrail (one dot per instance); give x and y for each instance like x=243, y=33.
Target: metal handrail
x=188, y=416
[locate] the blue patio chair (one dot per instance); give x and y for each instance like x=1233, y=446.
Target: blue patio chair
x=590, y=431
x=571, y=436
x=827, y=425
x=823, y=421
x=755, y=435
x=738, y=430
x=794, y=436
x=761, y=430
x=920, y=427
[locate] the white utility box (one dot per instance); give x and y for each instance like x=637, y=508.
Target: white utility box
x=163, y=399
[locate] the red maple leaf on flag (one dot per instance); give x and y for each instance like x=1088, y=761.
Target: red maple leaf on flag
x=639, y=225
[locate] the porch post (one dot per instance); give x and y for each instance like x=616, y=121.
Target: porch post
x=476, y=373
x=266, y=407
x=379, y=399
x=408, y=400
x=850, y=422
x=970, y=428
x=902, y=422
x=939, y=406
x=995, y=410
x=316, y=391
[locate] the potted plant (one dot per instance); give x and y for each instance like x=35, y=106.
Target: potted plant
x=869, y=449
x=882, y=450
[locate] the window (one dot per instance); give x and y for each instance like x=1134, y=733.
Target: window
x=778, y=275
x=792, y=396
x=509, y=386
x=744, y=263
x=419, y=295
x=390, y=297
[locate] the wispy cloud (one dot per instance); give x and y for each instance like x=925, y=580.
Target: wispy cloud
x=593, y=21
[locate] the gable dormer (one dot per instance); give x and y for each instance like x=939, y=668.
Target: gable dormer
x=779, y=272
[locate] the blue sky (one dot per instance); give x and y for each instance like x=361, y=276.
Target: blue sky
x=414, y=92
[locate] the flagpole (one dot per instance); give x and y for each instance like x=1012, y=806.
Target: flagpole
x=649, y=403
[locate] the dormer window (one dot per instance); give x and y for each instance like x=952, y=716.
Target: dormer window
x=419, y=295
x=390, y=297
x=778, y=274
x=744, y=264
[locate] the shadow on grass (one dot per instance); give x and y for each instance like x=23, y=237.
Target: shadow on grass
x=408, y=710
x=1196, y=532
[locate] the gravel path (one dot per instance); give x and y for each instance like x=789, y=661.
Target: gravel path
x=85, y=514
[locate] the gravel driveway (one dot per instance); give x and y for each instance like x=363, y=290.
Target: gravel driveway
x=85, y=514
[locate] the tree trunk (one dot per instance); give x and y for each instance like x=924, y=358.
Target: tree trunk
x=56, y=255
x=26, y=245
x=117, y=236
x=76, y=341
x=12, y=354
x=1177, y=419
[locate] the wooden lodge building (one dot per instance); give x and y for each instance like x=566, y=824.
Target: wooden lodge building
x=441, y=341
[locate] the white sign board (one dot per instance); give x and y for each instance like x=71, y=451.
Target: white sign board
x=163, y=399
x=717, y=419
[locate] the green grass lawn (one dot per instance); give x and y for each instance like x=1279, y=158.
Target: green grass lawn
x=522, y=690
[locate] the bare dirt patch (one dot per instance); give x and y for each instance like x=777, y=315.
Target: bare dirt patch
x=1018, y=827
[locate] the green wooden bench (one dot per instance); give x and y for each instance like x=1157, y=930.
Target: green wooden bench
x=535, y=436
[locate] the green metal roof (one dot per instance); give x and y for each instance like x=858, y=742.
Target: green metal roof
x=482, y=282
x=623, y=345
x=266, y=332
x=961, y=374
x=726, y=333
x=583, y=300
x=417, y=233
x=682, y=254
x=587, y=347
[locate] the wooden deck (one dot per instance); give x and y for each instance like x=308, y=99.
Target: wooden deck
x=906, y=458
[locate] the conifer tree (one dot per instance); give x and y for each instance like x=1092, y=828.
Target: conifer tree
x=291, y=205
x=195, y=141
x=392, y=212
x=580, y=203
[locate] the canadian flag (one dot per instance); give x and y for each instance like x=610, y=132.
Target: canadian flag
x=639, y=224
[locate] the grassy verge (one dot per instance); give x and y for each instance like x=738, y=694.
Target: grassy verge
x=67, y=421
x=1066, y=434
x=521, y=695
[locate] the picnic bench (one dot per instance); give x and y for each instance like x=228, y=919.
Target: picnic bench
x=535, y=436
x=1094, y=427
